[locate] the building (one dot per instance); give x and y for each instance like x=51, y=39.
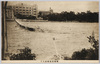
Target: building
x=43, y=13
x=9, y=12
x=26, y=10
x=23, y=9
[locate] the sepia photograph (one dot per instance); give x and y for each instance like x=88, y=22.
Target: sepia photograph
x=50, y=31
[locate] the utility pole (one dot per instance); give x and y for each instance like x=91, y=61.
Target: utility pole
x=4, y=30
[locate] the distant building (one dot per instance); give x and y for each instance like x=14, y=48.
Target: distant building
x=9, y=12
x=51, y=10
x=26, y=10
x=43, y=13
x=23, y=10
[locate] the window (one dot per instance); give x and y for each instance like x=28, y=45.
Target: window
x=34, y=14
x=26, y=7
x=16, y=7
x=34, y=8
x=34, y=11
x=26, y=10
x=16, y=12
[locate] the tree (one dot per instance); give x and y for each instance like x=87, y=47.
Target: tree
x=88, y=54
x=25, y=54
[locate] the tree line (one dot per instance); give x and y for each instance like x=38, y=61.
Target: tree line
x=20, y=16
x=71, y=16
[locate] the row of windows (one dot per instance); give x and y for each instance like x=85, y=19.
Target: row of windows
x=24, y=7
x=9, y=11
x=25, y=13
x=22, y=10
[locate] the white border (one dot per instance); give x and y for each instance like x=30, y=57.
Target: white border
x=68, y=62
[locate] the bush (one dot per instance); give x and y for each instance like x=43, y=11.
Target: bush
x=88, y=54
x=67, y=58
x=25, y=54
x=84, y=54
x=79, y=55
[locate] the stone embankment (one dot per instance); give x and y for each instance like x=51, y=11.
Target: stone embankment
x=24, y=27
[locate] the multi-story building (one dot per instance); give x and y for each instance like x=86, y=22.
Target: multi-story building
x=9, y=13
x=24, y=10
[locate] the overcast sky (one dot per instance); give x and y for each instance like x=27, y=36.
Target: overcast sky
x=59, y=6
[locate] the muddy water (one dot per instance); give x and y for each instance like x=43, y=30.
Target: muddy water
x=69, y=37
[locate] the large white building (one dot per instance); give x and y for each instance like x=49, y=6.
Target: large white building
x=23, y=9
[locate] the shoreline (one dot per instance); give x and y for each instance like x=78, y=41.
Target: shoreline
x=27, y=20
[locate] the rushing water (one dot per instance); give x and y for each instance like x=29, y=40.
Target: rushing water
x=69, y=37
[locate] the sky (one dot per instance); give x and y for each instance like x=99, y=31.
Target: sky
x=59, y=6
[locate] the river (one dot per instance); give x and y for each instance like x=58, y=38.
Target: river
x=67, y=36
